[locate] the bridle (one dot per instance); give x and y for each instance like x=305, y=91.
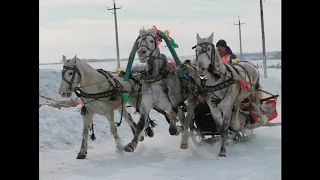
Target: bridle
x=212, y=66
x=204, y=49
x=143, y=39
x=74, y=70
x=151, y=57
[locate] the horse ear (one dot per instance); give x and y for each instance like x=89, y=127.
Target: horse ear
x=198, y=37
x=211, y=38
x=73, y=60
x=64, y=59
x=141, y=32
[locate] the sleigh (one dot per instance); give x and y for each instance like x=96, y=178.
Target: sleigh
x=204, y=130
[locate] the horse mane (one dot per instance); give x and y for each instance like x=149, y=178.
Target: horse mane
x=85, y=68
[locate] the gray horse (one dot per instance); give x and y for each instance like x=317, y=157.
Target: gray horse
x=100, y=92
x=223, y=92
x=163, y=88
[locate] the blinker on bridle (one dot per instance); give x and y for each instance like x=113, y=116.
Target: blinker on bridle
x=143, y=38
x=204, y=49
x=74, y=71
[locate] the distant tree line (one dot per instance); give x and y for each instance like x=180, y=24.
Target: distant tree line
x=278, y=66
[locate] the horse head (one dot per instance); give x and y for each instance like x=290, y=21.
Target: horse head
x=207, y=57
x=71, y=76
x=147, y=45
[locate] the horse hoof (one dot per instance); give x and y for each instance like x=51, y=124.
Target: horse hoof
x=173, y=131
x=183, y=146
x=222, y=154
x=81, y=156
x=128, y=148
x=150, y=133
x=141, y=138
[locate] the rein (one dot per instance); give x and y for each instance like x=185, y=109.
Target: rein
x=79, y=87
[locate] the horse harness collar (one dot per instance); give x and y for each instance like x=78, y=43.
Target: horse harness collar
x=163, y=73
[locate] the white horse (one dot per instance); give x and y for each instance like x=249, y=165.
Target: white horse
x=223, y=91
x=100, y=92
x=163, y=88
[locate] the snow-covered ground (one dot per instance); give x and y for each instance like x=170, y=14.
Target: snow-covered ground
x=155, y=158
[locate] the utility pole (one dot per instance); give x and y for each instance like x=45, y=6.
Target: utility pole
x=116, y=28
x=263, y=42
x=239, y=24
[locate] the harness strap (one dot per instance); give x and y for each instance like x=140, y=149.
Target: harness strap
x=246, y=72
x=219, y=86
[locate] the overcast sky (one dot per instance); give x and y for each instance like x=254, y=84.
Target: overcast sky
x=86, y=27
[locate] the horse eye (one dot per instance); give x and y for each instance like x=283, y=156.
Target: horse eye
x=208, y=48
x=70, y=73
x=151, y=41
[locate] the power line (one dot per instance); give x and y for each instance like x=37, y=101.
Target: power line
x=239, y=24
x=116, y=29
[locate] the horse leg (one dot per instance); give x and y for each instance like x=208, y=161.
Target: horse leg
x=186, y=123
x=224, y=131
x=173, y=130
x=129, y=120
x=110, y=116
x=145, y=107
x=87, y=122
x=221, y=119
x=235, y=121
x=148, y=128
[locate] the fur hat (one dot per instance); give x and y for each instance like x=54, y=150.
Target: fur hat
x=222, y=43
